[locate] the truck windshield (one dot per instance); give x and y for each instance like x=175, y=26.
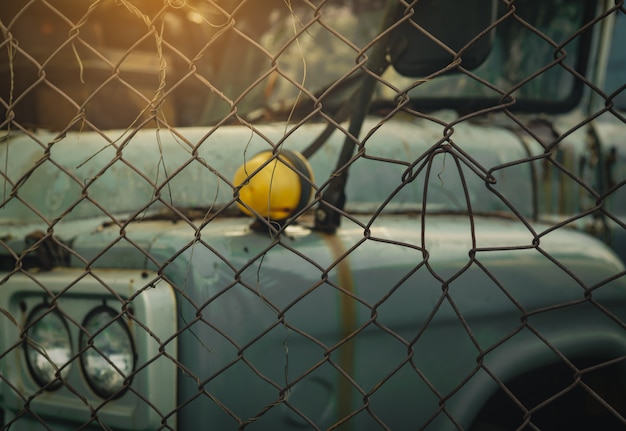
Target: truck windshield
x=202, y=63
x=541, y=36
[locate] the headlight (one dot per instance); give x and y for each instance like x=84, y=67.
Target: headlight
x=108, y=356
x=48, y=346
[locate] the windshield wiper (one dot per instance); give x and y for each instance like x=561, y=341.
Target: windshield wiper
x=328, y=213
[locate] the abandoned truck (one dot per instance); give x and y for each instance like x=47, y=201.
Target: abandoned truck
x=281, y=215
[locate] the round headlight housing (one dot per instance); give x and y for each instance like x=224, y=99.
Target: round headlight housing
x=108, y=357
x=48, y=347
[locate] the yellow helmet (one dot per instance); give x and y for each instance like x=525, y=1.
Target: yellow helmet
x=271, y=188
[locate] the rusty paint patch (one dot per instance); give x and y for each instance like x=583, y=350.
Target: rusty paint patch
x=348, y=319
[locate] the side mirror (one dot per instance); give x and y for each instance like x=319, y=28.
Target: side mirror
x=454, y=24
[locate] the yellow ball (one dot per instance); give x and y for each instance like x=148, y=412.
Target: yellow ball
x=271, y=187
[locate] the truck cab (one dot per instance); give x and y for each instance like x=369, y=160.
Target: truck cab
x=347, y=215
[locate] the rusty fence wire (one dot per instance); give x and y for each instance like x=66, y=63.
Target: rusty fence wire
x=293, y=214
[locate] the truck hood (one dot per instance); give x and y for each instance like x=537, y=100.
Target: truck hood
x=239, y=271
x=54, y=180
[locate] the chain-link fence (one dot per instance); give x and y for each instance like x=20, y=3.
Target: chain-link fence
x=293, y=214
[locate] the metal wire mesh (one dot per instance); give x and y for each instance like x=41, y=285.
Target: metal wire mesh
x=459, y=264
